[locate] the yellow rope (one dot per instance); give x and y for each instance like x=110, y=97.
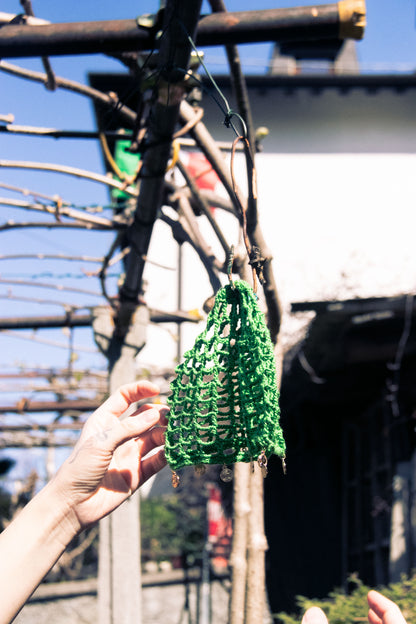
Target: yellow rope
x=114, y=166
x=176, y=146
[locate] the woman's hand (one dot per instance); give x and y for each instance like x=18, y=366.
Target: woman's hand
x=109, y=461
x=382, y=611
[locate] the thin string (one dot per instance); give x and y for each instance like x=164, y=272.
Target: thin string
x=255, y=259
x=226, y=109
x=254, y=255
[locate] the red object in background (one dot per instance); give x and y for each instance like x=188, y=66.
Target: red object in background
x=219, y=529
x=215, y=513
x=202, y=171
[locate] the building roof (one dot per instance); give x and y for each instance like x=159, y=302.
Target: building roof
x=369, y=82
x=376, y=335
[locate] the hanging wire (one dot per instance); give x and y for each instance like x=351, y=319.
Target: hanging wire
x=225, y=107
x=254, y=255
x=226, y=111
x=155, y=75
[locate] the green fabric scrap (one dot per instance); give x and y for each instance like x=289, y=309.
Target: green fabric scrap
x=126, y=162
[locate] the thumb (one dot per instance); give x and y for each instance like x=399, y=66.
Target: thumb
x=314, y=615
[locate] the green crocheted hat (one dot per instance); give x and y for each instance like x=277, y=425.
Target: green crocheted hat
x=224, y=405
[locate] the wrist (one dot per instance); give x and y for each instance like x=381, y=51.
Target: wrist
x=63, y=518
x=30, y=546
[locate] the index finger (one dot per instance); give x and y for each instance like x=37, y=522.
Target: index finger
x=385, y=609
x=127, y=394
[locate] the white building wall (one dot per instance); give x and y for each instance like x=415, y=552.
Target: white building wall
x=336, y=199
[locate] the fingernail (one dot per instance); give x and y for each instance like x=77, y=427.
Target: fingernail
x=151, y=416
x=314, y=615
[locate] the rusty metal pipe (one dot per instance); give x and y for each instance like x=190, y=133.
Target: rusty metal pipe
x=340, y=20
x=85, y=320
x=78, y=405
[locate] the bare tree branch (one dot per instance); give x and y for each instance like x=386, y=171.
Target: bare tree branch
x=120, y=111
x=58, y=211
x=13, y=225
x=59, y=287
x=181, y=235
x=73, y=171
x=45, y=256
x=203, y=206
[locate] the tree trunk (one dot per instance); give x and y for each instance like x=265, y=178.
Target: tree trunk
x=257, y=546
x=238, y=559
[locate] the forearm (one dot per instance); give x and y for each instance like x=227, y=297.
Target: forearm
x=30, y=546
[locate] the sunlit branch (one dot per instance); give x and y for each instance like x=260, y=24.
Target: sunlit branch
x=13, y=225
x=203, y=206
x=67, y=306
x=59, y=287
x=61, y=387
x=212, y=199
x=44, y=256
x=50, y=343
x=34, y=194
x=60, y=211
x=53, y=373
x=31, y=20
x=121, y=111
x=73, y=171
x=55, y=133
x=181, y=234
x=56, y=199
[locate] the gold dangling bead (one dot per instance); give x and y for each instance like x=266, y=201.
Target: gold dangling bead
x=200, y=469
x=226, y=474
x=175, y=479
x=262, y=462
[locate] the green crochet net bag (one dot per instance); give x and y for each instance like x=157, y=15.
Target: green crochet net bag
x=224, y=406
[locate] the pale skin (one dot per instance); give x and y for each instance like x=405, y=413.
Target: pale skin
x=108, y=463
x=381, y=611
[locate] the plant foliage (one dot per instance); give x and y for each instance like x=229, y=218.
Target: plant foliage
x=341, y=607
x=171, y=529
